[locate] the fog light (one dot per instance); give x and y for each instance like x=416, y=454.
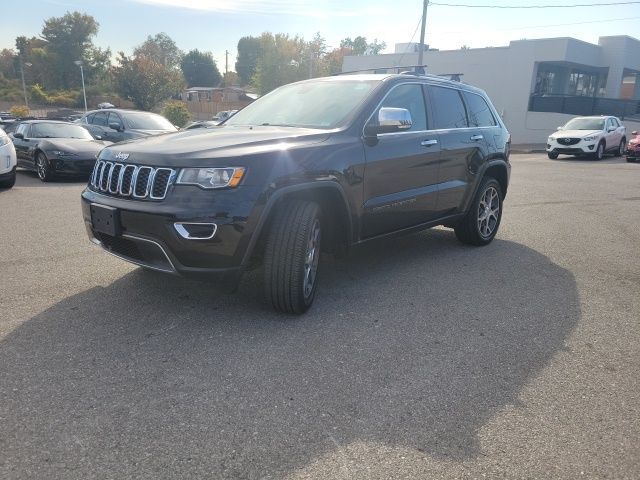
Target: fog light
x=591, y=147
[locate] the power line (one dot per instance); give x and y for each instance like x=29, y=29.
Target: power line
x=465, y=5
x=409, y=44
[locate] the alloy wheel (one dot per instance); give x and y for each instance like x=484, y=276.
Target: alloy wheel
x=488, y=212
x=41, y=167
x=312, y=257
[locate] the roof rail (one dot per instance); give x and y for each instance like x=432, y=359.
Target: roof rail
x=417, y=70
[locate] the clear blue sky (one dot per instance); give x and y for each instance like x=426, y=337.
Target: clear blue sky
x=216, y=25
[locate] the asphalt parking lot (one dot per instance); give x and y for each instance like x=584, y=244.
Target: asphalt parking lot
x=421, y=358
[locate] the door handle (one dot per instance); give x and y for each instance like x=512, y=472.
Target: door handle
x=475, y=138
x=428, y=143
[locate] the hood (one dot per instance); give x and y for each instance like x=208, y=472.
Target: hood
x=74, y=145
x=575, y=133
x=146, y=133
x=213, y=143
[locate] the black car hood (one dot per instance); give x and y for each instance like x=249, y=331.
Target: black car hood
x=73, y=145
x=199, y=145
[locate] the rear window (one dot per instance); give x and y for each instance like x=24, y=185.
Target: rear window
x=479, y=112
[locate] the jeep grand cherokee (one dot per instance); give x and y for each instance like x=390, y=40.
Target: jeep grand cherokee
x=318, y=165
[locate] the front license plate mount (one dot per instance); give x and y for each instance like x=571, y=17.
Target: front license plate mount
x=105, y=220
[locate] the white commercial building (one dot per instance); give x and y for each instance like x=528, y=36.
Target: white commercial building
x=536, y=85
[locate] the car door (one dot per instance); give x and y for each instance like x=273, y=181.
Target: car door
x=112, y=134
x=464, y=148
x=98, y=125
x=401, y=171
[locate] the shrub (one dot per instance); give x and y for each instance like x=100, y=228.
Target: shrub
x=19, y=111
x=177, y=112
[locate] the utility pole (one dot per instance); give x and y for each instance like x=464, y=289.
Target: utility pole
x=420, y=69
x=226, y=61
x=24, y=88
x=84, y=92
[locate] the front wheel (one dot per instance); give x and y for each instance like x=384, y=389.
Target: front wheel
x=599, y=153
x=43, y=167
x=292, y=255
x=480, y=224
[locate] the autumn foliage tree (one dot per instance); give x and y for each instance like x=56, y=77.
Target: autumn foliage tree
x=146, y=82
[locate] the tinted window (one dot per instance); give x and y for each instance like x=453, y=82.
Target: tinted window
x=147, y=121
x=23, y=128
x=409, y=97
x=115, y=118
x=100, y=118
x=479, y=112
x=59, y=130
x=448, y=109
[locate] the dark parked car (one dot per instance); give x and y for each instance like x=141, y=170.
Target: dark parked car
x=323, y=164
x=6, y=119
x=201, y=124
x=117, y=125
x=53, y=148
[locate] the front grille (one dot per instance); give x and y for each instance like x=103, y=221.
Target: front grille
x=137, y=181
x=568, y=141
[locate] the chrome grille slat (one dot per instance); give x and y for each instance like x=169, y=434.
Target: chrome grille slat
x=131, y=181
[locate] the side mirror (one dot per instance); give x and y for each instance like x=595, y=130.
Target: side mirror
x=390, y=120
x=116, y=127
x=611, y=129
x=18, y=135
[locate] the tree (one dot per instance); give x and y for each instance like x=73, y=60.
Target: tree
x=177, y=113
x=281, y=61
x=161, y=49
x=359, y=46
x=145, y=82
x=249, y=50
x=68, y=38
x=200, y=69
x=229, y=79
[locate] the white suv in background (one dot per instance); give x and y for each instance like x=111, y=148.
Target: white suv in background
x=7, y=161
x=593, y=136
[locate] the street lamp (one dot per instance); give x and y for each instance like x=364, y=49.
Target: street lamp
x=84, y=92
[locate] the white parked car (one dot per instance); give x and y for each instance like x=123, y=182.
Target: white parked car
x=593, y=136
x=7, y=161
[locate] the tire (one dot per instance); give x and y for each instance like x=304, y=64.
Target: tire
x=481, y=223
x=621, y=148
x=43, y=168
x=599, y=153
x=552, y=155
x=10, y=181
x=291, y=257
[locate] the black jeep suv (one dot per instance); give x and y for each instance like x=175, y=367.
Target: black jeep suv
x=322, y=164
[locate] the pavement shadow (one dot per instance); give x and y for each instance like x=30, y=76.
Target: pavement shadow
x=28, y=178
x=415, y=342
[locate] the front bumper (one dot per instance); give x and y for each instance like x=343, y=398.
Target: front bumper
x=8, y=175
x=147, y=234
x=632, y=153
x=579, y=148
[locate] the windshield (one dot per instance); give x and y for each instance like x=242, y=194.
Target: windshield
x=59, y=130
x=585, y=124
x=319, y=104
x=147, y=121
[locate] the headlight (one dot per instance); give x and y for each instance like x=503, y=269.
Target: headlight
x=62, y=153
x=4, y=140
x=211, y=177
x=590, y=138
x=551, y=139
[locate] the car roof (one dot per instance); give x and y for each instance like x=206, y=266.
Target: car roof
x=47, y=121
x=118, y=110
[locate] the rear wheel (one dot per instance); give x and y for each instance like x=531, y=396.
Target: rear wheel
x=481, y=222
x=43, y=167
x=620, y=151
x=291, y=258
x=552, y=155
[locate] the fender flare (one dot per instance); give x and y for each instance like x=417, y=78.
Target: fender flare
x=278, y=194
